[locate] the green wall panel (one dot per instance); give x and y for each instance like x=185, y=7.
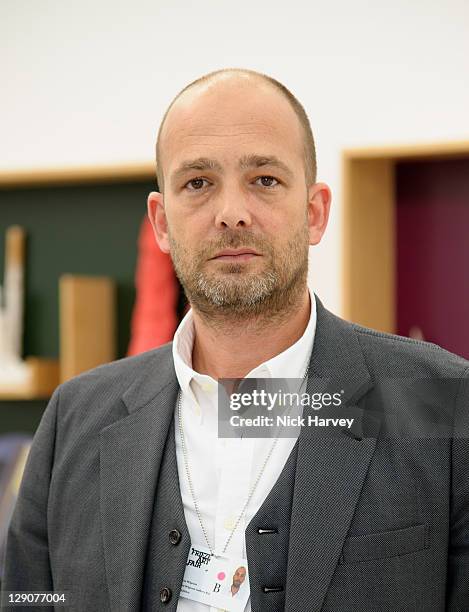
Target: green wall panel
x=75, y=229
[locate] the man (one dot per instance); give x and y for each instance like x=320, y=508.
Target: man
x=127, y=476
x=238, y=579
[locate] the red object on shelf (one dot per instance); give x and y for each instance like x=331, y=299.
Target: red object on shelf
x=154, y=317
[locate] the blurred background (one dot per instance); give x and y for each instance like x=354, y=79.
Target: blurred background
x=85, y=85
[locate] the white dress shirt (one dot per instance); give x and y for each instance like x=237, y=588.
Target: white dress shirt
x=223, y=471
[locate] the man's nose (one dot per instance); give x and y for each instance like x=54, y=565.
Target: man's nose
x=232, y=210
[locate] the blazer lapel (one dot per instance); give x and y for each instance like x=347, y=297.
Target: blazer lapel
x=131, y=451
x=331, y=468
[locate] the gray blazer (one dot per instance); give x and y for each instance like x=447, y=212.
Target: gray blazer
x=379, y=522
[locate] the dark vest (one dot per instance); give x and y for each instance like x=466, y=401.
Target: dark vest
x=267, y=540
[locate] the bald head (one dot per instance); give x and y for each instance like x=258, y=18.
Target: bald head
x=229, y=92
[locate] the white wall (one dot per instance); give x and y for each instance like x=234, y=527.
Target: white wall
x=88, y=81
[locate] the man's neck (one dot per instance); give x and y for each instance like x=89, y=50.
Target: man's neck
x=233, y=350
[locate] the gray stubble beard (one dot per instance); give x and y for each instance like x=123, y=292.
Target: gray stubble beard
x=269, y=295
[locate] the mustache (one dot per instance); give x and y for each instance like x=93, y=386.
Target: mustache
x=235, y=241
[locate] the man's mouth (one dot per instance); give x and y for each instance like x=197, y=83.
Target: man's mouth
x=236, y=255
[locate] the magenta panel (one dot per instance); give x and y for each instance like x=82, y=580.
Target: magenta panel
x=433, y=252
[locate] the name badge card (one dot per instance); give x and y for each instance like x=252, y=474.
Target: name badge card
x=218, y=581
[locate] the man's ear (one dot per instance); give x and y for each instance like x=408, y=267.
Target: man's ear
x=157, y=216
x=319, y=204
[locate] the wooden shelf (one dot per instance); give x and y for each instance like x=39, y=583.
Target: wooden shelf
x=77, y=175
x=96, y=289
x=44, y=377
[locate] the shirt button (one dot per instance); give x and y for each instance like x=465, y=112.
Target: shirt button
x=165, y=595
x=229, y=523
x=175, y=536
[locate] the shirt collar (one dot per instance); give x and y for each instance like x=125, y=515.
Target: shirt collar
x=290, y=363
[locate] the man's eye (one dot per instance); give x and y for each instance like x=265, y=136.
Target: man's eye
x=266, y=180
x=195, y=184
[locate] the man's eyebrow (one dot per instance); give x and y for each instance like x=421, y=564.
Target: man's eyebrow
x=248, y=161
x=257, y=161
x=200, y=164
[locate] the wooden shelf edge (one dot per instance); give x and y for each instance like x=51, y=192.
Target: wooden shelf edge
x=44, y=378
x=36, y=177
x=399, y=152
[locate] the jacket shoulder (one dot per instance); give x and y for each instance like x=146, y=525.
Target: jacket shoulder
x=93, y=399
x=394, y=355
x=120, y=373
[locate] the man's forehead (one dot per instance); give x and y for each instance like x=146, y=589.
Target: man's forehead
x=187, y=126
x=228, y=113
